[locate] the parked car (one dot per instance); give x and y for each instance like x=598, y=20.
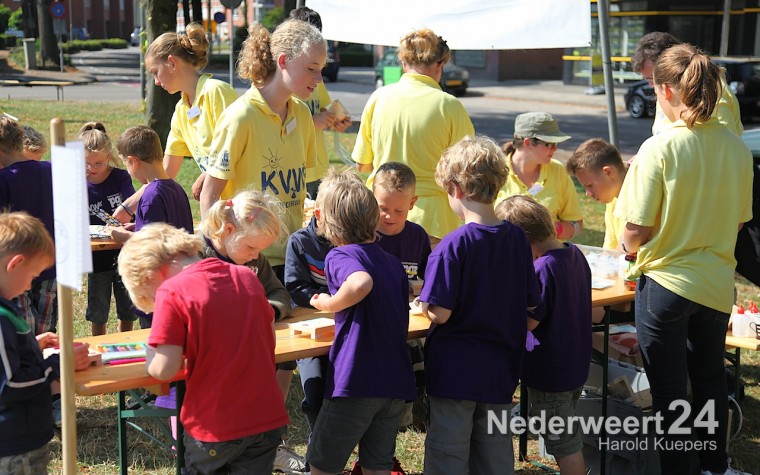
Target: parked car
x=640, y=100
x=80, y=33
x=330, y=71
x=454, y=80
x=134, y=38
x=743, y=77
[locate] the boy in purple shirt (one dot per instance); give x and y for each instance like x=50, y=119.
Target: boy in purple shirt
x=479, y=286
x=369, y=376
x=555, y=371
x=27, y=185
x=163, y=201
x=395, y=191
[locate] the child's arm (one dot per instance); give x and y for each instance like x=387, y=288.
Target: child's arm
x=298, y=279
x=357, y=286
x=165, y=361
x=436, y=314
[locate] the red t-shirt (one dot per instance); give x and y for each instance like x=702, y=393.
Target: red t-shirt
x=219, y=314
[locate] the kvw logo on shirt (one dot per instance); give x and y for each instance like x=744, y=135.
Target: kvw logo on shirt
x=289, y=182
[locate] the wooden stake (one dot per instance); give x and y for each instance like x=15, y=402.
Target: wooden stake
x=66, y=342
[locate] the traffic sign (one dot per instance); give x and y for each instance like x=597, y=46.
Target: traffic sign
x=58, y=9
x=232, y=4
x=220, y=17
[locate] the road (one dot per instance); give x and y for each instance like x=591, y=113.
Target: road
x=492, y=106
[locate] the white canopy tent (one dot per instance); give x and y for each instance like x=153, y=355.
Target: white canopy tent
x=470, y=24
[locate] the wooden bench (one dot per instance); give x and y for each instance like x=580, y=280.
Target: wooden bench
x=59, y=85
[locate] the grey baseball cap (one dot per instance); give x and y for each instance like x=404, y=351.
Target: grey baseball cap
x=539, y=125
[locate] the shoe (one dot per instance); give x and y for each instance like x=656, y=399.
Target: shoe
x=289, y=462
x=57, y=416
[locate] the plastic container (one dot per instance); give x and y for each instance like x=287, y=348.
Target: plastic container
x=604, y=263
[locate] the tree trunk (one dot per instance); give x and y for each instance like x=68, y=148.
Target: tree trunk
x=48, y=44
x=198, y=12
x=30, y=18
x=161, y=16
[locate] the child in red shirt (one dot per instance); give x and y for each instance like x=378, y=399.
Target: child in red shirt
x=208, y=312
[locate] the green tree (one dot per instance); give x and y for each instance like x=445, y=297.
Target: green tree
x=17, y=20
x=5, y=15
x=272, y=18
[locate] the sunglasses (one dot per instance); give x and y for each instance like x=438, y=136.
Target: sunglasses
x=545, y=144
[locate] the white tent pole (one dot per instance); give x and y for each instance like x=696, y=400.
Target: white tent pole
x=609, y=85
x=726, y=27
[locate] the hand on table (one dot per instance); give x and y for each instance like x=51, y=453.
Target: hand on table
x=320, y=301
x=47, y=340
x=81, y=357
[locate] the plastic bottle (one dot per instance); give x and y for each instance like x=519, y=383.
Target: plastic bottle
x=753, y=320
x=630, y=281
x=740, y=325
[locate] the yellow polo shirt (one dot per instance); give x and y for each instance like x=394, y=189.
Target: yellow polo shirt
x=413, y=121
x=192, y=127
x=254, y=148
x=727, y=111
x=319, y=100
x=554, y=189
x=693, y=187
x=613, y=226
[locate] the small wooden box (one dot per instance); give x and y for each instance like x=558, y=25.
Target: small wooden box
x=317, y=328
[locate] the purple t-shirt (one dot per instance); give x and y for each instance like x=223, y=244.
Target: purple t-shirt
x=109, y=194
x=164, y=201
x=485, y=276
x=28, y=186
x=411, y=245
x=560, y=363
x=369, y=356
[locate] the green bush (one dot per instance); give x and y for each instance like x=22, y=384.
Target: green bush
x=74, y=46
x=5, y=16
x=112, y=43
x=8, y=41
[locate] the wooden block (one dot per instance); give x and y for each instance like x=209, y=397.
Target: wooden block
x=642, y=399
x=415, y=286
x=317, y=328
x=620, y=387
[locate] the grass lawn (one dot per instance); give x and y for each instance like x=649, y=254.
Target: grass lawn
x=96, y=428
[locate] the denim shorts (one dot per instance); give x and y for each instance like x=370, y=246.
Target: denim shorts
x=561, y=404
x=346, y=421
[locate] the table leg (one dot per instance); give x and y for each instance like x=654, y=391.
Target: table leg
x=180, y=442
x=605, y=379
x=523, y=444
x=122, y=430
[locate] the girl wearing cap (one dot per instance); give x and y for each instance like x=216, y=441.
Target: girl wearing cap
x=533, y=171
x=413, y=122
x=683, y=202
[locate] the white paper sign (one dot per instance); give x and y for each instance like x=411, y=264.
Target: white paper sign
x=73, y=256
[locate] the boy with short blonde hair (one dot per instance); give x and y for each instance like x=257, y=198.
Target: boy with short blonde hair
x=554, y=371
x=479, y=284
x=26, y=422
x=599, y=167
x=227, y=308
